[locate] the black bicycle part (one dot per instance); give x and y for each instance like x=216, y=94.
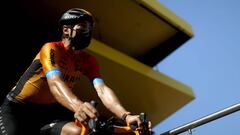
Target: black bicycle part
x=145, y=129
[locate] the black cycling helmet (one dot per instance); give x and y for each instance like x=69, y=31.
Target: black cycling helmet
x=74, y=15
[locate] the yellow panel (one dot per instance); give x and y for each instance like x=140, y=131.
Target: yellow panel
x=159, y=9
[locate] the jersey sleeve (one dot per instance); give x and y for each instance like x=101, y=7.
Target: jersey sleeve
x=48, y=57
x=93, y=70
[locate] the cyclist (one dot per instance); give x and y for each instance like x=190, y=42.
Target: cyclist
x=43, y=96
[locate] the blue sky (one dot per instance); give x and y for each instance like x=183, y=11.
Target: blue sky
x=209, y=63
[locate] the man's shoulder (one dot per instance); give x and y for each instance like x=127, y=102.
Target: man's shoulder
x=53, y=45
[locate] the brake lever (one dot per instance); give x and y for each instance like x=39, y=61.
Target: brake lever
x=145, y=128
x=92, y=123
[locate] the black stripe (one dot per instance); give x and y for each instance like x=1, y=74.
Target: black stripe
x=24, y=78
x=52, y=56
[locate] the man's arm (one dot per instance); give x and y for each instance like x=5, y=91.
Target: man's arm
x=66, y=97
x=63, y=93
x=111, y=101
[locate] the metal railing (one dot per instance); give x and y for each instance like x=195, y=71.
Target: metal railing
x=196, y=123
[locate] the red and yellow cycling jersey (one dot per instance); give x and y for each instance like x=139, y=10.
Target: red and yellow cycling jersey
x=33, y=86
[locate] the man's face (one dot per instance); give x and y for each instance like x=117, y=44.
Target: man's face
x=79, y=34
x=82, y=27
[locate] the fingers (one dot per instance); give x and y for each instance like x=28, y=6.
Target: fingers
x=150, y=125
x=133, y=119
x=85, y=111
x=90, y=110
x=139, y=122
x=80, y=116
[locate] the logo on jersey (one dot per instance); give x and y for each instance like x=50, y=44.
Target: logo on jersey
x=52, y=56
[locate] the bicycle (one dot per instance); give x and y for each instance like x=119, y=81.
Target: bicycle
x=113, y=126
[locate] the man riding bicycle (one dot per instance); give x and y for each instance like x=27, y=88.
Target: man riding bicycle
x=43, y=95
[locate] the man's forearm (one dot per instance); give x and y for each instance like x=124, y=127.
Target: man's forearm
x=110, y=100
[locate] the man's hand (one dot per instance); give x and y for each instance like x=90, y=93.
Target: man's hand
x=135, y=119
x=85, y=111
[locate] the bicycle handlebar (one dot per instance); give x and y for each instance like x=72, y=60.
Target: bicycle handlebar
x=95, y=127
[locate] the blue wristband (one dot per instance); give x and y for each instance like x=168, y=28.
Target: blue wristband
x=53, y=72
x=97, y=81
